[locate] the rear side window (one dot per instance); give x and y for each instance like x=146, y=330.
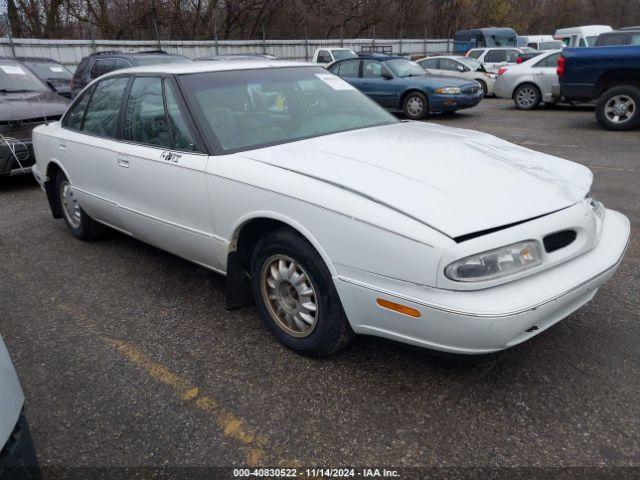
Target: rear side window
x=496, y=56
x=324, y=57
x=475, y=54
x=102, y=66
x=612, y=40
x=74, y=117
x=103, y=110
x=348, y=69
x=635, y=39
x=551, y=61
x=145, y=120
x=430, y=63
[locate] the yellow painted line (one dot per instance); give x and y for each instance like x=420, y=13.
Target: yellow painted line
x=231, y=425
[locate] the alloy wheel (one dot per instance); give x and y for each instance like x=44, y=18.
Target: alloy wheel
x=70, y=205
x=620, y=109
x=290, y=296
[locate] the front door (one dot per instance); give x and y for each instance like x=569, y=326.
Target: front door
x=165, y=200
x=378, y=84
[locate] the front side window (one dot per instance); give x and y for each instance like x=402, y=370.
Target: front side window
x=182, y=137
x=247, y=109
x=324, y=57
x=74, y=117
x=101, y=117
x=448, y=64
x=404, y=68
x=144, y=119
x=371, y=69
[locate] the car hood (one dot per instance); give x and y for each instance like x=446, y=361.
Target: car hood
x=453, y=180
x=31, y=105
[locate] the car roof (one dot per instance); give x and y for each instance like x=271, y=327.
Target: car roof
x=150, y=53
x=377, y=56
x=211, y=66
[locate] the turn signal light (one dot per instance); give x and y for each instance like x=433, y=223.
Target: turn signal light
x=396, y=307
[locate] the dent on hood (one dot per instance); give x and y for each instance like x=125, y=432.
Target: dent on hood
x=571, y=180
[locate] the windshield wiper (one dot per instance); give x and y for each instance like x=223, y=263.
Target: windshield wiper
x=6, y=90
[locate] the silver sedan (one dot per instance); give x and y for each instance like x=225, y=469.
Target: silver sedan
x=529, y=83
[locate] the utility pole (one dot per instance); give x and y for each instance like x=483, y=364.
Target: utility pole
x=215, y=37
x=155, y=27
x=7, y=24
x=306, y=44
x=264, y=39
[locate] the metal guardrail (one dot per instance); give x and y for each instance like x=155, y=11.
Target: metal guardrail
x=70, y=52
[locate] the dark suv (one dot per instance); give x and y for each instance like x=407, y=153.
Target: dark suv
x=99, y=63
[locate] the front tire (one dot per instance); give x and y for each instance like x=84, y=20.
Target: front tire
x=483, y=85
x=82, y=226
x=415, y=106
x=295, y=295
x=527, y=97
x=618, y=108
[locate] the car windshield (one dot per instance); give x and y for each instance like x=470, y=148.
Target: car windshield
x=551, y=45
x=471, y=63
x=159, y=59
x=17, y=78
x=246, y=109
x=499, y=40
x=50, y=70
x=342, y=54
x=404, y=68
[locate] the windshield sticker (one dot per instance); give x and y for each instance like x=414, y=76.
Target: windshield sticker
x=334, y=82
x=56, y=69
x=11, y=70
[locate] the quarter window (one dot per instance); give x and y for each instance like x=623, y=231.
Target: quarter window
x=74, y=117
x=324, y=57
x=430, y=63
x=101, y=117
x=475, y=54
x=145, y=120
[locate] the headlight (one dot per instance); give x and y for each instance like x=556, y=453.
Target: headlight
x=598, y=207
x=448, y=90
x=496, y=263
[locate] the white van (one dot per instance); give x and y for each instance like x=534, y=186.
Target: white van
x=581, y=36
x=540, y=42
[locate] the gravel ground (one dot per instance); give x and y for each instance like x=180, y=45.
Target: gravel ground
x=128, y=357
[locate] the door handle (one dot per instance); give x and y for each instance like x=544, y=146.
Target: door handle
x=124, y=163
x=62, y=145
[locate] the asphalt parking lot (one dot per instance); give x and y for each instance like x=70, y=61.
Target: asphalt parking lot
x=128, y=357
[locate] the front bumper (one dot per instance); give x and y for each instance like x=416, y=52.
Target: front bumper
x=447, y=103
x=20, y=163
x=488, y=320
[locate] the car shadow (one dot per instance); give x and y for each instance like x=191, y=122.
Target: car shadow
x=18, y=182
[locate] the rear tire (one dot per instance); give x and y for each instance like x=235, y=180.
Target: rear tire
x=527, y=97
x=82, y=226
x=415, y=106
x=619, y=108
x=295, y=295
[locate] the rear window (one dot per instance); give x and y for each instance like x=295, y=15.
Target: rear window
x=50, y=70
x=15, y=78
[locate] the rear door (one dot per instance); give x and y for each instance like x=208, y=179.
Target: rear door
x=85, y=147
x=545, y=73
x=161, y=171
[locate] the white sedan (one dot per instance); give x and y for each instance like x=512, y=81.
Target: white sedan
x=331, y=214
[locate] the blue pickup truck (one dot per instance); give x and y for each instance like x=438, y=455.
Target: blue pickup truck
x=610, y=75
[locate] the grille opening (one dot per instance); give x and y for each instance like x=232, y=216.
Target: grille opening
x=558, y=240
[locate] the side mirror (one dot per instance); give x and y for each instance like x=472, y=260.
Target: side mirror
x=386, y=75
x=460, y=68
